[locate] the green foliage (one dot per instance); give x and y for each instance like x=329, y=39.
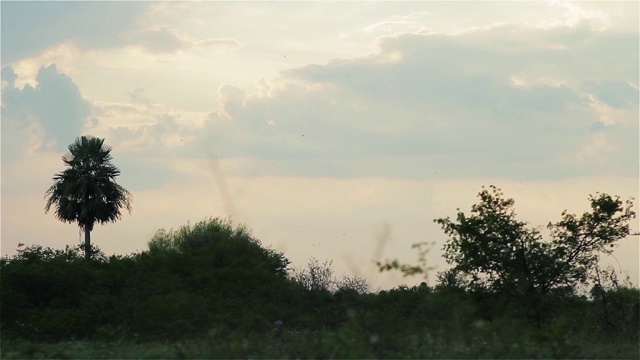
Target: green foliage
x=407, y=269
x=213, y=291
x=86, y=191
x=577, y=242
x=494, y=249
x=208, y=275
x=480, y=340
x=201, y=235
x=232, y=245
x=453, y=280
x=400, y=323
x=316, y=277
x=617, y=314
x=320, y=277
x=617, y=305
x=352, y=283
x=501, y=254
x=42, y=286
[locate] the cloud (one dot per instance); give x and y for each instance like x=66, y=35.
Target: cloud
x=619, y=94
x=573, y=15
x=156, y=40
x=143, y=130
x=221, y=44
x=47, y=117
x=55, y=104
x=8, y=77
x=504, y=98
x=498, y=100
x=138, y=96
x=29, y=28
x=151, y=138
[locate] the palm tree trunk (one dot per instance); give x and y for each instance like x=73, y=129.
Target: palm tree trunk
x=87, y=244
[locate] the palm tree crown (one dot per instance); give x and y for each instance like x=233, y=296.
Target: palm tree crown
x=86, y=191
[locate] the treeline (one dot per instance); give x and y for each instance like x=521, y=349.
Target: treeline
x=211, y=276
x=214, y=280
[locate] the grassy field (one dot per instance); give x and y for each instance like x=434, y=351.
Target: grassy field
x=481, y=342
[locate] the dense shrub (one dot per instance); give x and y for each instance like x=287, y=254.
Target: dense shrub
x=215, y=282
x=188, y=281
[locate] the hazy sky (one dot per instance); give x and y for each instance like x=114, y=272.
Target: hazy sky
x=337, y=130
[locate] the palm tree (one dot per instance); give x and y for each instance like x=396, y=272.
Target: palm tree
x=86, y=190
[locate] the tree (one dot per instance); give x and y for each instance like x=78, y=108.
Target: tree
x=501, y=254
x=411, y=270
x=316, y=277
x=86, y=191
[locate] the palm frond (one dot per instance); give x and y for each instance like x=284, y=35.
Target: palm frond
x=86, y=191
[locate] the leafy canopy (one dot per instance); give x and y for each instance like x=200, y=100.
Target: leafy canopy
x=502, y=254
x=86, y=191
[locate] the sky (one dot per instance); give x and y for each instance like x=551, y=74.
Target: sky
x=334, y=130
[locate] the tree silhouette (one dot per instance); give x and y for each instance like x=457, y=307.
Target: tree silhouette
x=86, y=191
x=504, y=255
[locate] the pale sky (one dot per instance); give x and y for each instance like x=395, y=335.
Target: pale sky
x=335, y=130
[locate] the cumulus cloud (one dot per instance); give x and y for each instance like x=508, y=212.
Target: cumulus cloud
x=509, y=96
x=54, y=104
x=29, y=28
x=502, y=99
x=143, y=130
x=150, y=139
x=47, y=117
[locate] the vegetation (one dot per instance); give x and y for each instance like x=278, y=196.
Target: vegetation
x=86, y=191
x=494, y=252
x=212, y=290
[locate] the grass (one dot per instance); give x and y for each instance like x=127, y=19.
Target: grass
x=480, y=341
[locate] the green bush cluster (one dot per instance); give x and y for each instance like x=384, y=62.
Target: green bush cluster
x=214, y=291
x=188, y=281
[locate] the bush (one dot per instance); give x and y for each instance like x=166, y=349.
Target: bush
x=187, y=281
